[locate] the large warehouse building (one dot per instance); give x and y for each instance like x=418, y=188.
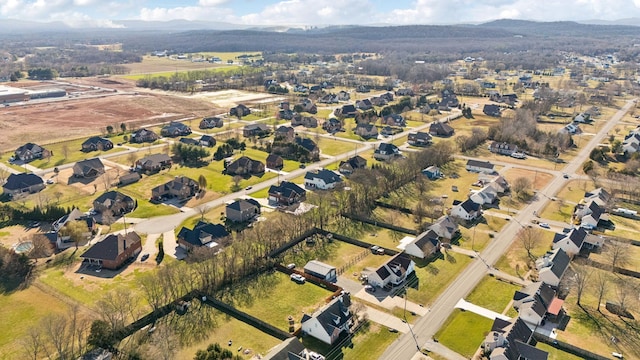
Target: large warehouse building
x=10, y=95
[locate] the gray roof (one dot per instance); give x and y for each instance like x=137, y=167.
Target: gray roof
x=242, y=204
x=328, y=176
x=318, y=267
x=22, y=181
x=560, y=262
x=481, y=164
x=333, y=315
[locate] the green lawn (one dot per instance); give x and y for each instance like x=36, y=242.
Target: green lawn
x=368, y=343
x=433, y=277
x=473, y=326
x=492, y=294
x=556, y=354
x=333, y=147
x=516, y=260
x=273, y=297
x=74, y=153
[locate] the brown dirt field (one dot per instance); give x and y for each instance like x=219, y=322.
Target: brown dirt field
x=541, y=178
x=77, y=118
x=12, y=235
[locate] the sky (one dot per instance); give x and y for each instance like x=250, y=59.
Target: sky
x=106, y=13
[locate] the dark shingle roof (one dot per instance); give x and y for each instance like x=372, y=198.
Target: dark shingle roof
x=22, y=181
x=560, y=263
x=242, y=204
x=481, y=164
x=201, y=231
x=328, y=176
x=112, y=246
x=286, y=188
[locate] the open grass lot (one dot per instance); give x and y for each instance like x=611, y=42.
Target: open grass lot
x=273, y=297
x=394, y=217
x=154, y=64
x=556, y=354
x=20, y=311
x=627, y=228
x=58, y=194
x=473, y=326
x=592, y=330
x=477, y=237
x=224, y=328
x=574, y=190
x=558, y=210
x=435, y=275
x=538, y=179
x=492, y=294
x=370, y=233
x=333, y=147
x=336, y=253
x=368, y=343
x=516, y=256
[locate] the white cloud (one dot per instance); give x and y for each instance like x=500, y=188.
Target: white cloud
x=79, y=20
x=211, y=2
x=312, y=12
x=186, y=13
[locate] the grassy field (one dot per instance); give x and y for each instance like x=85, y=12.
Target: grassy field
x=473, y=326
x=433, y=277
x=492, y=294
x=556, y=354
x=333, y=147
x=274, y=297
x=516, y=257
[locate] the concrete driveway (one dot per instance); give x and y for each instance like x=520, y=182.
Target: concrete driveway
x=150, y=247
x=171, y=247
x=387, y=320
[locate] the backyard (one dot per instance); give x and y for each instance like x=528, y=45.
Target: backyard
x=473, y=326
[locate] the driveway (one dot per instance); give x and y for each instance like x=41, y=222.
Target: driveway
x=387, y=320
x=150, y=247
x=171, y=247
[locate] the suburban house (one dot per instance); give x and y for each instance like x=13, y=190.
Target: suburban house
x=631, y=143
x=466, y=210
x=536, y=302
x=239, y=111
x=419, y=139
x=404, y=92
x=574, y=239
x=174, y=129
x=449, y=100
x=190, y=141
x=154, y=162
x=492, y=110
x=499, y=183
x=289, y=349
x=509, y=340
x=96, y=143
x=362, y=89
x=306, y=121
x=348, y=110
x=308, y=106
x=432, y=172
x=207, y=140
x=255, y=130
x=423, y=246
x=321, y=270
x=64, y=241
x=480, y=166
x=242, y=210
x=394, y=120
x=286, y=194
x=114, y=202
x=309, y=145
x=441, y=129
x=393, y=273
x=366, y=131
x=330, y=321
x=446, y=228
x=322, y=179
x=503, y=148
x=129, y=178
x=211, y=122
x=203, y=234
x=332, y=125
x=31, y=151
x=386, y=151
x=352, y=164
x=590, y=214
x=88, y=168
x=329, y=99
x=22, y=184
x=364, y=104
x=143, y=135
x=600, y=196
x=113, y=251
x=552, y=266
x=181, y=187
x=343, y=96
x=485, y=196
x=245, y=166
x=284, y=133
x=275, y=162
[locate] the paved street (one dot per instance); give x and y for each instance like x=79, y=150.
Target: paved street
x=427, y=326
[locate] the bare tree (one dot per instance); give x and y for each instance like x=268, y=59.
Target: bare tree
x=580, y=279
x=4, y=173
x=33, y=344
x=202, y=210
x=132, y=158
x=617, y=253
x=521, y=187
x=600, y=284
x=530, y=238
x=65, y=151
x=106, y=180
x=41, y=247
x=164, y=344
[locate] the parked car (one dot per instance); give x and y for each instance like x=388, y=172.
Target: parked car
x=565, y=175
x=49, y=181
x=377, y=250
x=518, y=155
x=291, y=266
x=144, y=257
x=369, y=288
x=298, y=278
x=544, y=225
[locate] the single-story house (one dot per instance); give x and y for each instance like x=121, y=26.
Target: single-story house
x=386, y=151
x=441, y=129
x=255, y=130
x=552, y=266
x=491, y=110
x=424, y=245
x=96, y=143
x=480, y=166
x=22, y=184
x=419, y=138
x=207, y=140
x=154, y=162
x=245, y=166
x=31, y=151
x=115, y=202
x=286, y=194
x=394, y=120
x=446, y=227
x=211, y=122
x=275, y=162
x=181, y=187
x=321, y=270
x=466, y=210
x=203, y=234
x=143, y=135
x=503, y=148
x=88, y=168
x=114, y=250
x=393, y=273
x=432, y=172
x=366, y=131
x=174, y=129
x=352, y=164
x=321, y=179
x=240, y=111
x=242, y=210
x=330, y=321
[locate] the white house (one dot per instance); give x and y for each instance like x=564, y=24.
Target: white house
x=466, y=210
x=534, y=301
x=330, y=321
x=322, y=179
x=446, y=227
x=574, y=239
x=487, y=195
x=393, y=273
x=425, y=245
x=480, y=166
x=552, y=266
x=509, y=340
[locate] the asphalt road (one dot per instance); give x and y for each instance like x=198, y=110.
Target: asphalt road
x=405, y=347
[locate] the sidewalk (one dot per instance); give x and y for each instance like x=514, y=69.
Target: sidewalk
x=465, y=305
x=504, y=276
